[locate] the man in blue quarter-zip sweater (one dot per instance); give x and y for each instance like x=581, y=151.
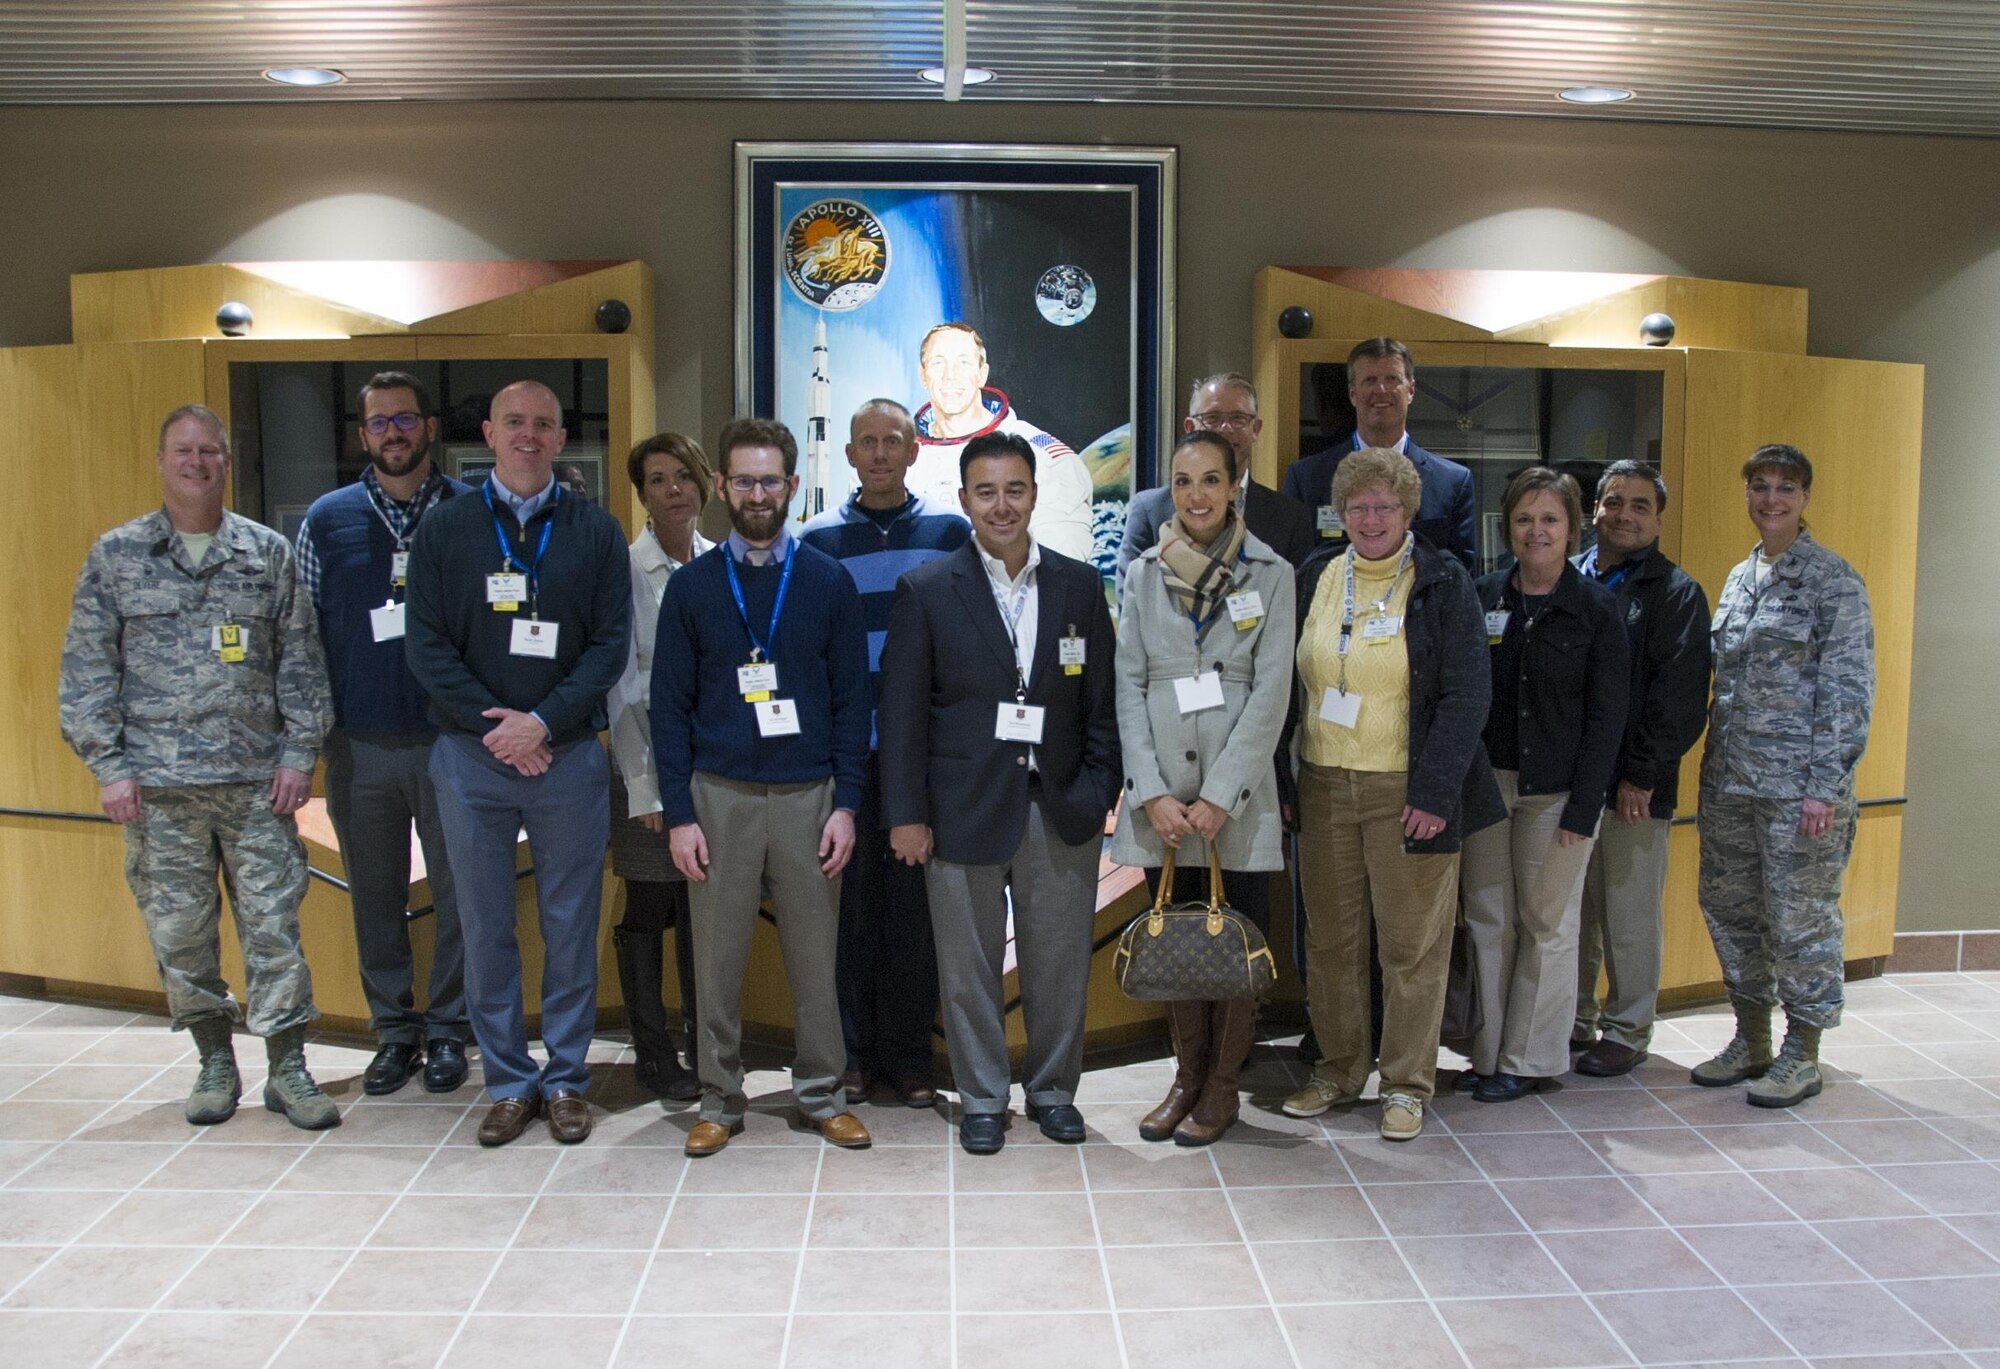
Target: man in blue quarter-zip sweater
x=354, y=555
x=887, y=973
x=760, y=735
x=519, y=621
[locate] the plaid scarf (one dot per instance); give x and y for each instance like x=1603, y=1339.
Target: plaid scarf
x=1198, y=577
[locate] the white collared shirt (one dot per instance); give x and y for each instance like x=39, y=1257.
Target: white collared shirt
x=773, y=555
x=1004, y=588
x=631, y=698
x=1400, y=445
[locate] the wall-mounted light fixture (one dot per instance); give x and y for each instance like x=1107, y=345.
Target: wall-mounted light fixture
x=304, y=76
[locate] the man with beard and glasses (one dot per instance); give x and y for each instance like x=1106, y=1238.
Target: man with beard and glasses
x=519, y=623
x=354, y=556
x=761, y=707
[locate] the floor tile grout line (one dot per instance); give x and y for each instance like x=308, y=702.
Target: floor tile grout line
x=1256, y=1263
x=799, y=1267
x=500, y=1252
x=1617, y=1336
x=59, y=1250
x=1395, y=1244
x=361, y=1244
x=652, y=1256
x=1747, y=1302
x=1103, y=1261
x=159, y=1303
x=951, y=1253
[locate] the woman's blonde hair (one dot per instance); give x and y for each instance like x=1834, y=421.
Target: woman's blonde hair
x=1378, y=466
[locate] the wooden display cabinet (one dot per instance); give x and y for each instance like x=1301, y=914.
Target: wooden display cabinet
x=1736, y=376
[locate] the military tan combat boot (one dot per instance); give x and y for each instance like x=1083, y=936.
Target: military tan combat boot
x=290, y=1089
x=218, y=1086
x=1794, y=1075
x=1748, y=1053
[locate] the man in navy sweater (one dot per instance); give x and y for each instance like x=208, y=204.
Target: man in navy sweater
x=354, y=553
x=888, y=965
x=760, y=733
x=519, y=621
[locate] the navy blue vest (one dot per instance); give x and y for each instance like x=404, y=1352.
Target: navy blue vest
x=373, y=690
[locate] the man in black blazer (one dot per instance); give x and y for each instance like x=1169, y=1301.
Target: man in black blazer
x=1381, y=384
x=1226, y=404
x=999, y=753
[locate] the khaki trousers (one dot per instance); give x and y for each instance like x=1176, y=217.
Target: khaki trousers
x=1621, y=931
x=1354, y=869
x=1523, y=900
x=765, y=837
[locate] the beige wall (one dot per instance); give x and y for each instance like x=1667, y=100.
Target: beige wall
x=1895, y=238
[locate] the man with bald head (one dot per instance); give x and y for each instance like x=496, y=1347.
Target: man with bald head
x=519, y=619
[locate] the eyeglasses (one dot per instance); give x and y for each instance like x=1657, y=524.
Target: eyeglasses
x=749, y=484
x=405, y=422
x=1233, y=418
x=1355, y=511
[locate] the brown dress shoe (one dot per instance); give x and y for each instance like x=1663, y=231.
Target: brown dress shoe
x=843, y=1129
x=569, y=1116
x=709, y=1137
x=856, y=1083
x=916, y=1090
x=507, y=1119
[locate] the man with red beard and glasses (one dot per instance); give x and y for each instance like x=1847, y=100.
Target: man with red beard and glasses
x=354, y=556
x=761, y=707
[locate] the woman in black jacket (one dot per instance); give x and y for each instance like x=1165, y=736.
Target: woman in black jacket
x=1560, y=679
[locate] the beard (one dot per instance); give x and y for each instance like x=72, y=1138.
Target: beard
x=757, y=524
x=392, y=464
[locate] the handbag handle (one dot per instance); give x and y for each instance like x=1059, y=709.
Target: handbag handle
x=1157, y=919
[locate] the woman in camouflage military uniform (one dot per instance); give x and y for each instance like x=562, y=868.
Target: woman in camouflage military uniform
x=1794, y=685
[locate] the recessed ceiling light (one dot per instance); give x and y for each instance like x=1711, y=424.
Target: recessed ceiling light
x=1594, y=95
x=974, y=76
x=304, y=76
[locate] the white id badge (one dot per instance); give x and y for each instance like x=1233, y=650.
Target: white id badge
x=1069, y=651
x=399, y=567
x=505, y=590
x=533, y=637
x=1019, y=723
x=1380, y=630
x=1342, y=710
x=1196, y=692
x=386, y=622
x=758, y=682
x=1327, y=518
x=778, y=718
x=1496, y=624
x=1245, y=609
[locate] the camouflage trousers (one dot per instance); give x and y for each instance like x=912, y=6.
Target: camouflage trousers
x=188, y=835
x=1772, y=902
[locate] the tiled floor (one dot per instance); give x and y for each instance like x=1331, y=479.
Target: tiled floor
x=1613, y=1222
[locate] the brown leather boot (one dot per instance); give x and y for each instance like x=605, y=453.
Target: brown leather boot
x=1232, y=1028
x=1187, y=1019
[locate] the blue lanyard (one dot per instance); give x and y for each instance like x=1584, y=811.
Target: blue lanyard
x=533, y=569
x=1611, y=580
x=759, y=651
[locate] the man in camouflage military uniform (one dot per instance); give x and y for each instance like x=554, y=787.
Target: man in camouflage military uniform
x=194, y=687
x=1794, y=688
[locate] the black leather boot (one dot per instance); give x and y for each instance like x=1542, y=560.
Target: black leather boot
x=658, y=1066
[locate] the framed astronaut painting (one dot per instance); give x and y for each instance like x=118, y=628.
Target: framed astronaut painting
x=1020, y=289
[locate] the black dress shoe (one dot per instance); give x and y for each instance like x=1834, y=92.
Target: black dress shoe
x=1059, y=1121
x=445, y=1070
x=666, y=1077
x=1505, y=1088
x=391, y=1068
x=983, y=1133
x=1467, y=1081
x=1608, y=1059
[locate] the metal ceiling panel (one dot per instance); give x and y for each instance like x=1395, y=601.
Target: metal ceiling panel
x=1919, y=66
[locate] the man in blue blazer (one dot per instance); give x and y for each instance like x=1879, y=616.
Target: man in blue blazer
x=999, y=754
x=1381, y=384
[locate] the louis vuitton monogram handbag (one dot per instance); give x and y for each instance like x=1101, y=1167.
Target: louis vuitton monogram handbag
x=1194, y=950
